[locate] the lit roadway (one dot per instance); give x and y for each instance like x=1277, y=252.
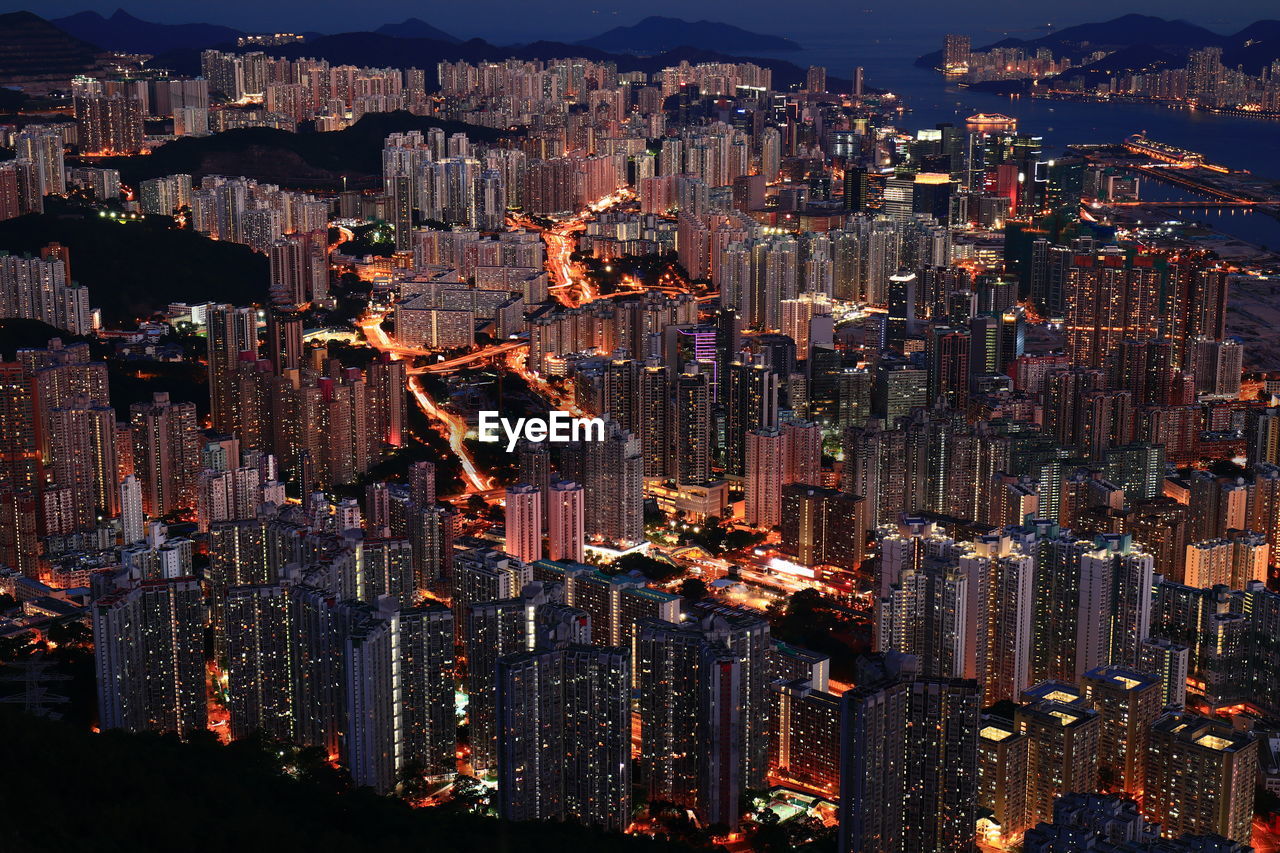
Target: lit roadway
x=453, y=427
x=569, y=284
x=371, y=325
x=571, y=287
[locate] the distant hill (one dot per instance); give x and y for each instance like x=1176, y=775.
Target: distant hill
x=1143, y=58
x=416, y=28
x=1127, y=31
x=1255, y=47
x=124, y=32
x=133, y=269
x=298, y=160
x=35, y=55
x=16, y=334
x=1143, y=42
x=656, y=34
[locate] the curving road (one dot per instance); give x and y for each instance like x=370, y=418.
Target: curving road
x=452, y=427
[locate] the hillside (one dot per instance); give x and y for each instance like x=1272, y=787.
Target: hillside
x=124, y=32
x=416, y=28
x=656, y=34
x=37, y=56
x=148, y=793
x=133, y=269
x=296, y=160
x=1255, y=47
x=17, y=334
x=1147, y=42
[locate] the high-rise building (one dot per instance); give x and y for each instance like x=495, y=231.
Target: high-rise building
x=109, y=124
x=1092, y=600
x=1062, y=755
x=822, y=526
x=132, y=516
x=613, y=488
x=232, y=333
x=564, y=736
x=1166, y=661
x=751, y=403
x=42, y=289
x=765, y=472
x=21, y=469
x=166, y=452
x=1128, y=702
x=692, y=427
x=398, y=674
x=804, y=743
x=258, y=661
x=82, y=458
x=955, y=53
x=485, y=574
x=149, y=654
x=816, y=79
x=675, y=666
x=493, y=629
x=524, y=522
x=1200, y=777
x=565, y=531
x=1003, y=753
x=703, y=737
x=909, y=763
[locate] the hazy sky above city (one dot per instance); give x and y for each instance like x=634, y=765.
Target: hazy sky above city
x=508, y=21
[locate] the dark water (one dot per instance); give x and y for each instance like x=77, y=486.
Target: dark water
x=888, y=57
x=1252, y=226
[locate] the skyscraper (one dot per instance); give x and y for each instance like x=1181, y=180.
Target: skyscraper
x=132, y=516
x=232, y=332
x=909, y=771
x=259, y=655
x=1063, y=731
x=1200, y=777
x=149, y=654
x=955, y=53
x=166, y=452
x=109, y=124
x=524, y=522
x=822, y=526
x=1002, y=774
x=613, y=488
x=765, y=471
x=1128, y=702
x=21, y=469
x=804, y=742
x=692, y=428
x=565, y=532
x=752, y=404
x=564, y=736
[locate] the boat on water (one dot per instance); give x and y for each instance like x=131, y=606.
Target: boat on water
x=991, y=120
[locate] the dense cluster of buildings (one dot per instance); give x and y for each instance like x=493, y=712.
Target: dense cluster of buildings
x=1202, y=80
x=1016, y=449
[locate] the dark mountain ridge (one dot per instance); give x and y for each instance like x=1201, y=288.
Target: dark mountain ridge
x=123, y=32
x=1149, y=39
x=36, y=54
x=416, y=28
x=295, y=160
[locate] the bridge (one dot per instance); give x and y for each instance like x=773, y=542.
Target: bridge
x=1197, y=205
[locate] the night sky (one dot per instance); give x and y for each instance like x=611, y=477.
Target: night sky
x=508, y=21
